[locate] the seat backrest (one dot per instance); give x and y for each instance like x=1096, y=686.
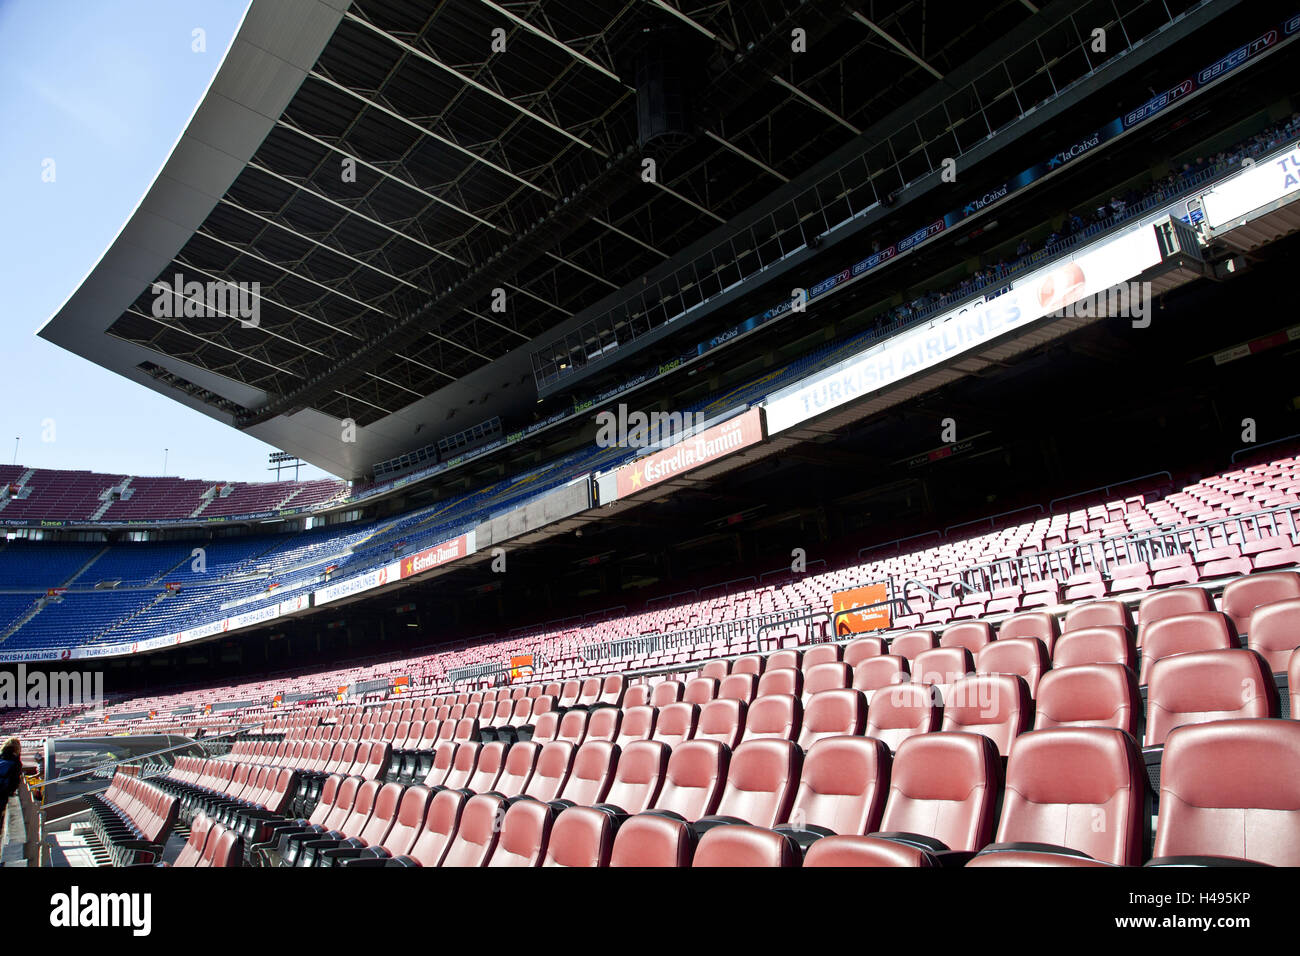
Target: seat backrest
x=441, y=818
x=902, y=711
x=700, y=691
x=603, y=723
x=855, y=652
x=224, y=846
x=910, y=643
x=521, y=760
x=362, y=809
x=787, y=657
x=547, y=727
x=742, y=687
x=665, y=693
x=462, y=767
x=573, y=727
x=1105, y=644
x=1293, y=680
x=581, y=837
x=384, y=815
x=843, y=785
x=774, y=715
x=972, y=635
x=717, y=669
x=995, y=705
x=945, y=786
x=832, y=675
x=344, y=799
x=590, y=692
x=780, y=680
x=640, y=772
x=1096, y=613
x=721, y=720
x=1169, y=602
x=1242, y=596
x=743, y=846
x=676, y=722
x=487, y=769
x=874, y=673
x=612, y=689
x=833, y=713
x=593, y=771
x=1275, y=632
x=637, y=695
x=329, y=795
x=444, y=758
x=554, y=764
x=192, y=852
x=1230, y=789
x=1023, y=656
x=749, y=664
x=1204, y=686
x=525, y=833
x=692, y=787
x=411, y=811
x=1089, y=695
x=942, y=667
x=1082, y=788
x=820, y=654
x=638, y=724
x=569, y=693
x=1183, y=633
x=1037, y=624
x=475, y=836
x=650, y=839
x=761, y=781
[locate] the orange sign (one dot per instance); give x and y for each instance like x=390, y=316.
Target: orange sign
x=859, y=622
x=690, y=453
x=521, y=668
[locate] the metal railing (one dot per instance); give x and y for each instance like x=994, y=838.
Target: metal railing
x=730, y=631
x=1104, y=555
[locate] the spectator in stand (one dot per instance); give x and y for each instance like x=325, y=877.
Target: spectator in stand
x=11, y=780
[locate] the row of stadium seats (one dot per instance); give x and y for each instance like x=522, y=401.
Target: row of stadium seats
x=1067, y=796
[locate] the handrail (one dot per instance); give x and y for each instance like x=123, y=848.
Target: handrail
x=46, y=784
x=1255, y=448
x=1102, y=554
x=810, y=617
x=992, y=518
x=1106, y=488
x=886, y=544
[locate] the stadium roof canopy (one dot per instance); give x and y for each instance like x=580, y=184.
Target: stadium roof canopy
x=379, y=169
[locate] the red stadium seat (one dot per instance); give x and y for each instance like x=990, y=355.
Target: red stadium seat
x=1204, y=686
x=1229, y=791
x=1089, y=695
x=1072, y=791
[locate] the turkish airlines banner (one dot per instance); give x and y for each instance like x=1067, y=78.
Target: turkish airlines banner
x=687, y=455
x=1029, y=298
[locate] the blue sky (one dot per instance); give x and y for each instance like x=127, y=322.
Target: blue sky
x=104, y=88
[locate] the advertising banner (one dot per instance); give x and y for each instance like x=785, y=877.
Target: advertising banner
x=690, y=453
x=860, y=622
x=438, y=555
x=965, y=328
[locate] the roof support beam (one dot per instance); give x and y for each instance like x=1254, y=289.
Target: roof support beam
x=896, y=45
x=474, y=84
